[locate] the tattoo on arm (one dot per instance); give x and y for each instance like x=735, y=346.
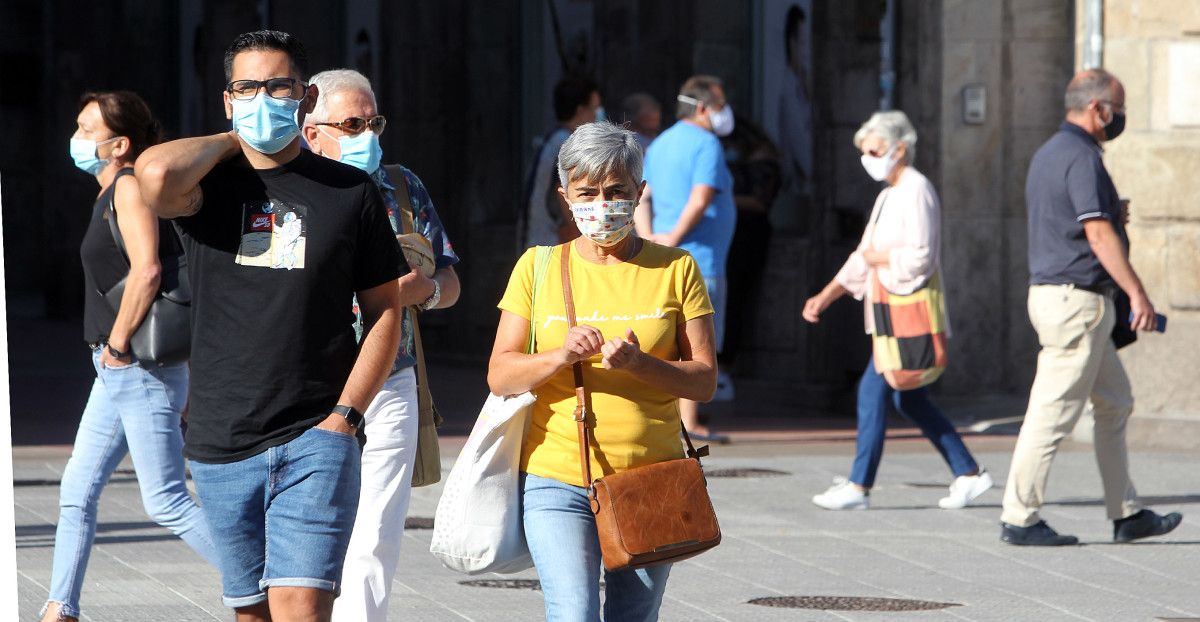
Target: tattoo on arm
x=193, y=201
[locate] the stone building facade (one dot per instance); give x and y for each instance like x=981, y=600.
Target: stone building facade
x=1154, y=47
x=465, y=86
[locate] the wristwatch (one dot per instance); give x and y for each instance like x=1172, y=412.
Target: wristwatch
x=353, y=417
x=433, y=298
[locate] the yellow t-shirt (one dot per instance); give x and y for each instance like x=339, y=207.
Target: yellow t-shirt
x=634, y=424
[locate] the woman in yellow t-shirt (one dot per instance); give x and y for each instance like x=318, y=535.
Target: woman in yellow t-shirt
x=645, y=338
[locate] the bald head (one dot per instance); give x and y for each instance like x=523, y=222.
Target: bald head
x=1092, y=85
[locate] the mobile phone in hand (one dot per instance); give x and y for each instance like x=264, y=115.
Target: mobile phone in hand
x=1160, y=322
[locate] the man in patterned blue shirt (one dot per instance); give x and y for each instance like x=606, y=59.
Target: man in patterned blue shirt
x=345, y=126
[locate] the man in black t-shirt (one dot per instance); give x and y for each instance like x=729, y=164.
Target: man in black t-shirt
x=277, y=241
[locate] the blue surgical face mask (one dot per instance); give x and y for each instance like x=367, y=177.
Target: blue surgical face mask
x=83, y=151
x=360, y=150
x=600, y=114
x=265, y=123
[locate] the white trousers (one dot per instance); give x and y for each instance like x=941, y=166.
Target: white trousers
x=1077, y=364
x=387, y=465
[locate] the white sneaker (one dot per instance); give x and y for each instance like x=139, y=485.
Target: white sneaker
x=964, y=489
x=724, y=392
x=842, y=495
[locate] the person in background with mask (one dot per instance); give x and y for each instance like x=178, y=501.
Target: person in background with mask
x=647, y=342
x=688, y=202
x=546, y=221
x=345, y=125
x=132, y=409
x=902, y=245
x=1078, y=258
x=278, y=382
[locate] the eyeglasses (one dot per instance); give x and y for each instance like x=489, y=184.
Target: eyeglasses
x=355, y=125
x=277, y=88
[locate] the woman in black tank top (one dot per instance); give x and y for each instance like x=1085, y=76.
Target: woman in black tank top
x=131, y=409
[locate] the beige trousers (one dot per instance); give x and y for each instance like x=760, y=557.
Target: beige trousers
x=1077, y=362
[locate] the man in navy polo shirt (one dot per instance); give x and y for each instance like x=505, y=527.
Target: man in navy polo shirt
x=1078, y=258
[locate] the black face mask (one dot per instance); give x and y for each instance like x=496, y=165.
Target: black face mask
x=1115, y=126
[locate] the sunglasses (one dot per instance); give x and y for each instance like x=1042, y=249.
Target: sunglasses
x=355, y=125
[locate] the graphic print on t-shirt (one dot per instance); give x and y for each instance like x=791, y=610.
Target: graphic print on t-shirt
x=273, y=235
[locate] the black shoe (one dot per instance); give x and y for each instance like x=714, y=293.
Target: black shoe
x=1038, y=534
x=1144, y=524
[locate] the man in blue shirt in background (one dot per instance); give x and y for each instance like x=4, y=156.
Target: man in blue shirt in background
x=688, y=201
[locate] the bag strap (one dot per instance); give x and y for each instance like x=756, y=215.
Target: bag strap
x=407, y=225
x=112, y=212
x=541, y=261
x=175, y=259
x=585, y=462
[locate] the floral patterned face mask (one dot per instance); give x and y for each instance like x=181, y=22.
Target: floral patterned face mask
x=604, y=222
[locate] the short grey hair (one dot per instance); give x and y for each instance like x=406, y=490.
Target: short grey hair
x=894, y=128
x=1092, y=84
x=336, y=81
x=596, y=150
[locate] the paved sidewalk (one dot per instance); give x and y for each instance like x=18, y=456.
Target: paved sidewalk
x=776, y=543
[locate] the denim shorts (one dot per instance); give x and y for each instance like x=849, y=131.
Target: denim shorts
x=282, y=517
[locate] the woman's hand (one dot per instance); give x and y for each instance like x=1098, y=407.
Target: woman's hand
x=622, y=353
x=813, y=307
x=108, y=361
x=582, y=342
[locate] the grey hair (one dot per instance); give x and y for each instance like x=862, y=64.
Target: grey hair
x=597, y=150
x=894, y=127
x=336, y=81
x=696, y=90
x=1093, y=84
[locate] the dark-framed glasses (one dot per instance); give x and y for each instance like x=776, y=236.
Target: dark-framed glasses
x=277, y=88
x=355, y=125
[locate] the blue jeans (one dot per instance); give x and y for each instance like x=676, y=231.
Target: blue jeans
x=136, y=411
x=874, y=393
x=282, y=517
x=561, y=531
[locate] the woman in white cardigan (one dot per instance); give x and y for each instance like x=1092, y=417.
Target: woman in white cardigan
x=901, y=244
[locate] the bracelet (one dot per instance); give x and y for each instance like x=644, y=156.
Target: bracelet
x=433, y=298
x=117, y=354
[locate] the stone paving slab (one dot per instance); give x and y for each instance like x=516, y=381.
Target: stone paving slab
x=776, y=543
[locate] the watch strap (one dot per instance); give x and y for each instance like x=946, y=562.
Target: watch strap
x=117, y=354
x=353, y=417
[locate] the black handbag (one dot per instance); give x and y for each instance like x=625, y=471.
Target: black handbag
x=165, y=334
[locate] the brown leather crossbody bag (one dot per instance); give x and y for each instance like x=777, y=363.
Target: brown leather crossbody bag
x=650, y=515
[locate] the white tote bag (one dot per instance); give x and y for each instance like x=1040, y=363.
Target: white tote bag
x=477, y=527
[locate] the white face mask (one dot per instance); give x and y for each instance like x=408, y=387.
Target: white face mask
x=879, y=167
x=722, y=121
x=604, y=222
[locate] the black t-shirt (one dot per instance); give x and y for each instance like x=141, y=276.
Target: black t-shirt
x=274, y=256
x=104, y=265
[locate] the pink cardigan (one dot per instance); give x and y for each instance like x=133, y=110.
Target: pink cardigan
x=906, y=222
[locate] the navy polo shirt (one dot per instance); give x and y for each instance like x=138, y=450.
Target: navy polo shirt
x=1068, y=184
